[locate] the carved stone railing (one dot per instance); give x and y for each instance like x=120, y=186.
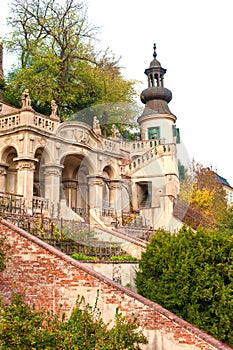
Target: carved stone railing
x=153, y=153
x=43, y=123
x=9, y=122
x=141, y=145
x=28, y=118
x=39, y=204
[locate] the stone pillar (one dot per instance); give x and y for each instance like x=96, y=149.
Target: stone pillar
x=70, y=188
x=83, y=196
x=95, y=184
x=3, y=173
x=25, y=179
x=115, y=195
x=52, y=183
x=74, y=187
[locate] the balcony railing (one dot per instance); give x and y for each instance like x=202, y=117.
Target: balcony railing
x=43, y=123
x=32, y=119
x=39, y=205
x=9, y=122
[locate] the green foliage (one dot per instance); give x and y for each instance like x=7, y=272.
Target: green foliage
x=24, y=327
x=2, y=84
x=57, y=59
x=123, y=258
x=191, y=274
x=80, y=256
x=4, y=247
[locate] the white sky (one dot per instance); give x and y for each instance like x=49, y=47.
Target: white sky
x=194, y=40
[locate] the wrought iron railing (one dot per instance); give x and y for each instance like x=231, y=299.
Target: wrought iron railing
x=11, y=203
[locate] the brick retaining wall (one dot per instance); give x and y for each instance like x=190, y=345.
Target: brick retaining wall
x=51, y=278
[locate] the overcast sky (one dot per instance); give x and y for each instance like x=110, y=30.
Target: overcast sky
x=194, y=40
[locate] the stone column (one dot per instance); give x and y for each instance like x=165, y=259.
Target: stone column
x=25, y=179
x=70, y=188
x=82, y=196
x=52, y=183
x=115, y=188
x=95, y=184
x=3, y=173
x=135, y=196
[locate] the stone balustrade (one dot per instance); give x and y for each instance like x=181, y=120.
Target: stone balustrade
x=141, y=145
x=43, y=123
x=9, y=122
x=39, y=204
x=153, y=153
x=31, y=119
x=110, y=145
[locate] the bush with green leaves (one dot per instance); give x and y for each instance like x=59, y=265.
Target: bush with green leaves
x=4, y=247
x=81, y=256
x=191, y=274
x=24, y=327
x=123, y=258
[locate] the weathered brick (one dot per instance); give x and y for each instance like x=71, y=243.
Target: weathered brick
x=51, y=278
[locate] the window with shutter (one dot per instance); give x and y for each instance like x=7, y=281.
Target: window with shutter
x=154, y=133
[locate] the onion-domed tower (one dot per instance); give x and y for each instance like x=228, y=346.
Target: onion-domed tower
x=156, y=181
x=156, y=121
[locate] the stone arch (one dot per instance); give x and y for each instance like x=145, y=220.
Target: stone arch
x=42, y=157
x=46, y=154
x=74, y=181
x=6, y=149
x=9, y=167
x=108, y=174
x=109, y=171
x=85, y=160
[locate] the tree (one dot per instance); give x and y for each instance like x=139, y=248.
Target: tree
x=191, y=274
x=24, y=327
x=57, y=58
x=206, y=198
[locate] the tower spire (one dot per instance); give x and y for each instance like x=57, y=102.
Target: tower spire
x=156, y=97
x=154, y=54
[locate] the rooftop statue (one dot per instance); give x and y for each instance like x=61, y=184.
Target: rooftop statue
x=26, y=101
x=55, y=113
x=96, y=126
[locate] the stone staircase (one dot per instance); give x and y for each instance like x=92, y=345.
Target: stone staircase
x=150, y=155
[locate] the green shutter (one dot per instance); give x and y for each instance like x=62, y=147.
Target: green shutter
x=181, y=170
x=177, y=135
x=154, y=133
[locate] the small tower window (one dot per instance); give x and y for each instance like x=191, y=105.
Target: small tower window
x=154, y=133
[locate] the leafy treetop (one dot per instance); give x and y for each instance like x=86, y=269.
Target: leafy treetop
x=191, y=274
x=24, y=327
x=58, y=59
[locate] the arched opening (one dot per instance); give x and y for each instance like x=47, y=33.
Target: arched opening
x=38, y=185
x=75, y=184
x=144, y=191
x=11, y=169
x=108, y=200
